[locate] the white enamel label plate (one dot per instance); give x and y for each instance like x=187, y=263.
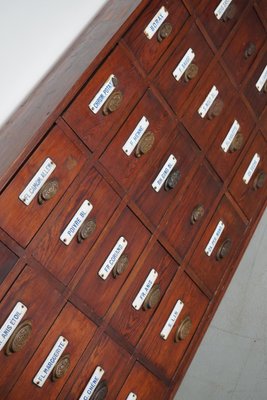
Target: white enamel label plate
x=11, y=323
x=222, y=7
x=204, y=108
x=131, y=396
x=251, y=168
x=164, y=173
x=214, y=239
x=103, y=94
x=143, y=292
x=92, y=384
x=171, y=320
x=230, y=136
x=156, y=22
x=183, y=64
x=262, y=79
x=112, y=258
x=135, y=136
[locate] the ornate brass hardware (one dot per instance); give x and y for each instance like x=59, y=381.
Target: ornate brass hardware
x=190, y=72
x=19, y=338
x=172, y=180
x=265, y=87
x=48, y=191
x=216, y=109
x=250, y=50
x=259, y=180
x=237, y=143
x=145, y=144
x=113, y=102
x=101, y=391
x=152, y=298
x=60, y=368
x=183, y=330
x=164, y=31
x=229, y=13
x=120, y=265
x=224, y=249
x=87, y=228
x=197, y=214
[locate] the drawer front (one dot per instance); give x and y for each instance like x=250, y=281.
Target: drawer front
x=206, y=113
x=251, y=196
x=31, y=290
x=245, y=45
x=148, y=50
x=48, y=247
x=219, y=29
x=110, y=100
x=143, y=384
x=166, y=354
x=190, y=213
x=263, y=124
x=22, y=221
x=183, y=70
x=155, y=203
x=145, y=291
x=256, y=87
x=231, y=139
x=126, y=155
x=107, y=267
x=217, y=249
x=7, y=261
x=115, y=365
x=48, y=370
x=262, y=8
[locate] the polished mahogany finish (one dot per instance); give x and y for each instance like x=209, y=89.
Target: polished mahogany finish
x=8, y=260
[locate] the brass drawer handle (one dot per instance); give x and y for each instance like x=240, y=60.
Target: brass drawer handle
x=237, y=143
x=87, y=228
x=250, y=50
x=183, y=330
x=197, y=214
x=164, y=31
x=172, y=180
x=229, y=13
x=152, y=298
x=120, y=265
x=224, y=249
x=190, y=72
x=265, y=87
x=60, y=368
x=19, y=338
x=216, y=109
x=113, y=102
x=145, y=144
x=101, y=391
x=48, y=191
x=259, y=181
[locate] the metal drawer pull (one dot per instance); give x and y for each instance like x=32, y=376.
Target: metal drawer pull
x=19, y=338
x=120, y=265
x=229, y=13
x=87, y=228
x=265, y=87
x=48, y=191
x=113, y=102
x=60, y=368
x=259, y=181
x=250, y=50
x=145, y=144
x=172, y=180
x=197, y=214
x=224, y=249
x=100, y=391
x=237, y=143
x=190, y=72
x=216, y=109
x=164, y=31
x=184, y=330
x=152, y=298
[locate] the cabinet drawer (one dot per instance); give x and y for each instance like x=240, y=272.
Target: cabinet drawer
x=56, y=356
x=231, y=139
x=111, y=259
x=217, y=249
x=155, y=203
x=49, y=247
x=143, y=385
x=126, y=155
x=22, y=221
x=249, y=186
x=188, y=62
x=155, y=21
x=105, y=100
x=219, y=27
x=146, y=287
x=167, y=353
x=206, y=113
x=262, y=8
x=245, y=45
x=102, y=374
x=42, y=302
x=256, y=87
x=263, y=124
x=7, y=261
x=191, y=210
